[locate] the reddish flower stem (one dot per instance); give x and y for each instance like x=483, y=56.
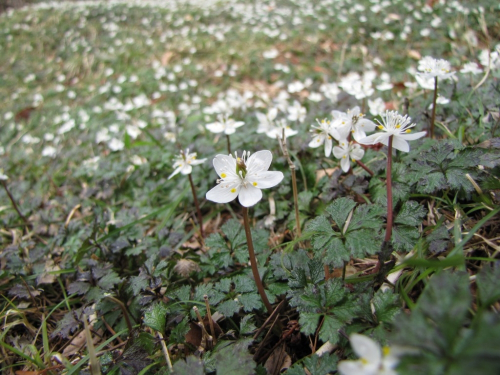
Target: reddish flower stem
x=253, y=262
x=362, y=165
x=228, y=144
x=433, y=115
x=200, y=218
x=388, y=229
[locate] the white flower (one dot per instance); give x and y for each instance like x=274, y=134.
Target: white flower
x=472, y=68
x=184, y=163
x=277, y=130
x=431, y=68
x=243, y=177
x=374, y=360
x=296, y=112
x=347, y=151
x=266, y=122
x=224, y=124
x=376, y=106
x=3, y=177
x=116, y=144
x=395, y=125
x=354, y=122
x=323, y=133
x=49, y=151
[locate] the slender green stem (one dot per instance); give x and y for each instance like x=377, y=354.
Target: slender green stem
x=228, y=144
x=388, y=229
x=433, y=116
x=198, y=212
x=253, y=262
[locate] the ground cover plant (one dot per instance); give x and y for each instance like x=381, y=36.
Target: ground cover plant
x=263, y=187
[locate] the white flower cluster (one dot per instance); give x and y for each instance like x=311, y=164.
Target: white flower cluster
x=349, y=130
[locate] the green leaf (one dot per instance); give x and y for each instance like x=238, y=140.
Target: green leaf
x=234, y=232
x=244, y=284
x=330, y=329
x=191, y=366
x=315, y=365
x=305, y=198
x=228, y=308
x=411, y=214
x=488, y=283
x=362, y=242
x=246, y=325
x=386, y=305
x=250, y=301
x=404, y=238
x=235, y=360
x=109, y=280
x=178, y=334
x=367, y=216
x=309, y=322
x=155, y=316
x=339, y=209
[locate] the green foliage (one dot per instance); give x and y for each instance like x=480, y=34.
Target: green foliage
x=354, y=238
x=155, y=316
x=315, y=365
x=192, y=366
x=235, y=360
x=440, y=327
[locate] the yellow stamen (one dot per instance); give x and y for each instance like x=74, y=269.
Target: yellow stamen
x=380, y=127
x=343, y=157
x=364, y=361
x=223, y=175
x=254, y=184
x=386, y=350
x=408, y=130
x=398, y=126
x=233, y=190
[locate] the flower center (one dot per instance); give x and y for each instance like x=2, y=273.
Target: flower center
x=241, y=167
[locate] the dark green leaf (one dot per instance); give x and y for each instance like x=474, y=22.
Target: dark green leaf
x=155, y=316
x=411, y=214
x=339, y=209
x=488, y=283
x=191, y=366
x=386, y=305
x=235, y=360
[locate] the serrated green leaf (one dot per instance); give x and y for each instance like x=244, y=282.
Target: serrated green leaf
x=334, y=253
x=234, y=232
x=228, y=308
x=404, y=238
x=411, y=214
x=316, y=270
x=191, y=366
x=183, y=293
x=488, y=283
x=363, y=242
x=244, y=284
x=339, y=209
x=309, y=322
x=367, y=216
x=250, y=301
x=155, y=316
x=246, y=324
x=109, y=280
x=223, y=285
x=235, y=360
x=330, y=329
x=305, y=198
x=178, y=333
x=386, y=305
x=298, y=278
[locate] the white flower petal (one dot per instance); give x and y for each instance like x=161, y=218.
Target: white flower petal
x=177, y=170
x=225, y=164
x=317, y=140
x=400, y=144
x=413, y=136
x=345, y=164
x=265, y=180
x=328, y=146
x=352, y=368
x=259, y=161
x=366, y=348
x=186, y=169
x=338, y=152
x=249, y=195
x=223, y=193
x=357, y=153
x=215, y=127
